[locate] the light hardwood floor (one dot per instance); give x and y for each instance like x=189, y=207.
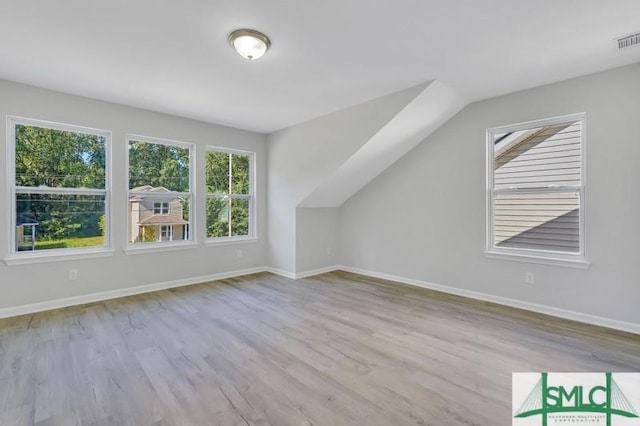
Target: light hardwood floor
x=337, y=349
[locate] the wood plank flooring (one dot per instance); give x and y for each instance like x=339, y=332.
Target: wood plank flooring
x=337, y=349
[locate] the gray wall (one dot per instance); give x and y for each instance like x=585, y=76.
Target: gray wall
x=303, y=156
x=32, y=283
x=424, y=217
x=317, y=238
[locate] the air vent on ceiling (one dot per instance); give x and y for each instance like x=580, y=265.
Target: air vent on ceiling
x=628, y=41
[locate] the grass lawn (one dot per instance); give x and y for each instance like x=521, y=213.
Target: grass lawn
x=71, y=243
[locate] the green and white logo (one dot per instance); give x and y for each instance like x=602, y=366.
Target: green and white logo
x=548, y=399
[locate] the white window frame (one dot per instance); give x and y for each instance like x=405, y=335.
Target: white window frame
x=190, y=242
x=548, y=257
x=252, y=237
x=16, y=257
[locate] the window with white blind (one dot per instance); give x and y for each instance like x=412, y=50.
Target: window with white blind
x=536, y=188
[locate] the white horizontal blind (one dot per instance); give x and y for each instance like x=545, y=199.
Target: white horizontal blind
x=537, y=187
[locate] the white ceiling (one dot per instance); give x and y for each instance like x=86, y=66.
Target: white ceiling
x=173, y=56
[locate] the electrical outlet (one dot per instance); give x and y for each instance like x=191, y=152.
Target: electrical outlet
x=73, y=274
x=528, y=278
x=239, y=253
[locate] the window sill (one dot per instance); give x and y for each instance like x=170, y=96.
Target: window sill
x=39, y=257
x=225, y=241
x=577, y=262
x=159, y=247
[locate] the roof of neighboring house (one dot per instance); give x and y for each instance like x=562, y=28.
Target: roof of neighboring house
x=163, y=219
x=23, y=220
x=150, y=189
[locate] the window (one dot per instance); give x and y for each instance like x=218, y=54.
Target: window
x=160, y=208
x=536, y=188
x=165, y=233
x=230, y=193
x=59, y=186
x=160, y=191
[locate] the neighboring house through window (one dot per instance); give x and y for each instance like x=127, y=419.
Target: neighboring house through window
x=59, y=184
x=160, y=185
x=230, y=208
x=536, y=188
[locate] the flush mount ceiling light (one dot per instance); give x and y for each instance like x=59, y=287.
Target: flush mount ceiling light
x=249, y=44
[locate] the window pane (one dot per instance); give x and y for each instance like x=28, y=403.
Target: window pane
x=543, y=221
x=240, y=174
x=217, y=217
x=153, y=165
x=152, y=221
x=239, y=216
x=217, y=172
x=52, y=221
x=539, y=157
x=59, y=158
x=159, y=208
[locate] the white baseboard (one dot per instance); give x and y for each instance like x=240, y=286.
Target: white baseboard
x=113, y=294
x=300, y=275
x=520, y=304
x=280, y=272
x=318, y=271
